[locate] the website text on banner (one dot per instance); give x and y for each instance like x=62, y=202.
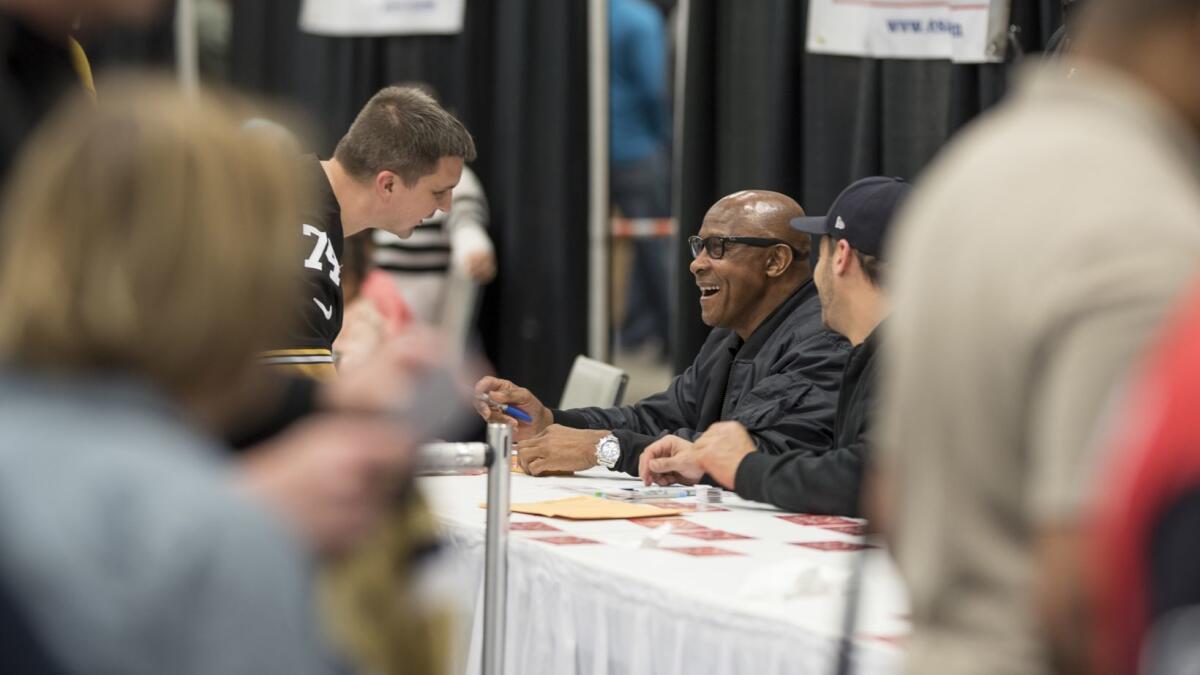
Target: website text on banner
x=382, y=17
x=963, y=31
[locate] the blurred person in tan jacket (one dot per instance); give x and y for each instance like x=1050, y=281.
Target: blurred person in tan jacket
x=1037, y=256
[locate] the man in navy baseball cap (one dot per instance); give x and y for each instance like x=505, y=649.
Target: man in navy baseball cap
x=805, y=479
x=861, y=214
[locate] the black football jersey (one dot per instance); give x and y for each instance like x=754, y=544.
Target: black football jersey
x=317, y=317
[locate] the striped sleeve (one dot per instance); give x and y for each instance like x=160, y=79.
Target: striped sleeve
x=317, y=364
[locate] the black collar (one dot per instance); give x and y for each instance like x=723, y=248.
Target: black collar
x=769, y=325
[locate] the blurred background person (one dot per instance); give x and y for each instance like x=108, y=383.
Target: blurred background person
x=1059, y=43
x=640, y=164
x=125, y=358
x=997, y=376
x=1146, y=523
x=451, y=246
x=40, y=61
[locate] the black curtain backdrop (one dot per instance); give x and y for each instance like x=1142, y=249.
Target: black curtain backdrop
x=759, y=112
x=152, y=46
x=517, y=77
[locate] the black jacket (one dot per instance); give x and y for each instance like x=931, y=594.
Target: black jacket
x=781, y=384
x=821, y=479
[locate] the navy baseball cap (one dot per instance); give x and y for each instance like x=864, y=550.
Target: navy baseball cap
x=861, y=214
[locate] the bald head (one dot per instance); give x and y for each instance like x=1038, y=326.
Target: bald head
x=759, y=213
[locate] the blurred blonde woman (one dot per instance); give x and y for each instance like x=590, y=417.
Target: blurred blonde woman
x=145, y=251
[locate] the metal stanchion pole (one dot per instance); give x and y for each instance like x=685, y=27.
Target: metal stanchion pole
x=599, y=229
x=495, y=559
x=187, y=59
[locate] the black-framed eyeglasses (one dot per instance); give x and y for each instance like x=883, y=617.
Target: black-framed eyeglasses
x=715, y=245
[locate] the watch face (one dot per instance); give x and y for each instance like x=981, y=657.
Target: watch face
x=610, y=451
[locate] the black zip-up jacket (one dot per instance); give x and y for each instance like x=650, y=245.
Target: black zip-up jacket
x=781, y=384
x=821, y=479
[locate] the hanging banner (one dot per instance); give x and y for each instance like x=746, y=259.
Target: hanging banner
x=382, y=17
x=963, y=31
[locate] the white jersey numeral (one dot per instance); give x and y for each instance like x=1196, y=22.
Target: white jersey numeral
x=323, y=247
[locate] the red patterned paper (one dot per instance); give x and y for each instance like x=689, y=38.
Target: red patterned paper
x=532, y=527
x=833, y=545
x=817, y=521
x=564, y=540
x=701, y=551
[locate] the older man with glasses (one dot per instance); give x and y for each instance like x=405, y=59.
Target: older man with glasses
x=769, y=363
x=810, y=479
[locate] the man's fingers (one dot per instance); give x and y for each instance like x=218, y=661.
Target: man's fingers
x=523, y=460
x=485, y=411
x=531, y=449
x=662, y=465
x=527, y=452
x=496, y=417
x=489, y=384
x=663, y=447
x=511, y=394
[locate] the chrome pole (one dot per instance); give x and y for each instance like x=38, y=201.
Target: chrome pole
x=495, y=557
x=599, y=230
x=187, y=56
x=435, y=458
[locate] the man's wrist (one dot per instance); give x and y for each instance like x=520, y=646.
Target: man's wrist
x=608, y=450
x=722, y=465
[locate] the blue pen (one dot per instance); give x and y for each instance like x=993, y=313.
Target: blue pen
x=511, y=411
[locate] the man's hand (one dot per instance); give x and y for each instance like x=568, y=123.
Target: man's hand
x=721, y=450
x=559, y=449
x=670, y=460
x=481, y=266
x=329, y=477
x=503, y=391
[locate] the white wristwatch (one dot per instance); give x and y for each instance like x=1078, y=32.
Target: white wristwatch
x=608, y=451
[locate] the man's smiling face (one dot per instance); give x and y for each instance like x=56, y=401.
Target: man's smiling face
x=732, y=287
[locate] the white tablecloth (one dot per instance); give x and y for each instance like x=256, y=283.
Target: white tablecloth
x=617, y=608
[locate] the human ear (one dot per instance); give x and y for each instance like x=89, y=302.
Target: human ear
x=841, y=257
x=385, y=183
x=778, y=261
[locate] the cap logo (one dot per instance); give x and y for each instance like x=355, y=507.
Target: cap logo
x=839, y=224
